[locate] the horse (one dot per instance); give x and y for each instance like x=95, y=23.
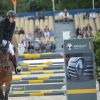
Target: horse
x=6, y=68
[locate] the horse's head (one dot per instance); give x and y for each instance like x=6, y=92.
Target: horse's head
x=4, y=58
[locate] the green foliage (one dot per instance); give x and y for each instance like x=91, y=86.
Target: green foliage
x=5, y=5
x=46, y=5
x=96, y=40
x=97, y=48
x=40, y=5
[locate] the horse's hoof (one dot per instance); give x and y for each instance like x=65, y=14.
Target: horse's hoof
x=18, y=69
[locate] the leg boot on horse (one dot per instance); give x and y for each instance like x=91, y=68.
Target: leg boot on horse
x=1, y=94
x=7, y=91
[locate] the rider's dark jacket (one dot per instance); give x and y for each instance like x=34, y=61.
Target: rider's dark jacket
x=6, y=30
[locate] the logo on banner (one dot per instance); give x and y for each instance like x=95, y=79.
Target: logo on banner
x=80, y=46
x=69, y=46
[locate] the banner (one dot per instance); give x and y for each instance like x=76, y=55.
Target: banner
x=79, y=69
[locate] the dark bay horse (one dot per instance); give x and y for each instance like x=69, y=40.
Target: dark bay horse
x=6, y=68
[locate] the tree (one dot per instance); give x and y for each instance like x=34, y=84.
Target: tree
x=45, y=5
x=34, y=6
x=40, y=5
x=5, y=5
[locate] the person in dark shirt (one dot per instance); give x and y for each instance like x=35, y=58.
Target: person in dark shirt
x=7, y=27
x=21, y=31
x=30, y=47
x=88, y=31
x=78, y=32
x=65, y=16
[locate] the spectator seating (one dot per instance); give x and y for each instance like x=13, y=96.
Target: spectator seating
x=92, y=24
x=82, y=20
x=26, y=26
x=46, y=21
x=41, y=24
x=36, y=29
x=97, y=21
x=76, y=20
x=22, y=23
x=17, y=22
x=37, y=23
x=51, y=26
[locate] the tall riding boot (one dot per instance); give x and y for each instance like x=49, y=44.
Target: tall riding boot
x=17, y=69
x=15, y=64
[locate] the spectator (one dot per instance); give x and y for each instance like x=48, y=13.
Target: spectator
x=53, y=47
x=46, y=33
x=86, y=16
x=37, y=33
x=30, y=47
x=88, y=31
x=43, y=47
x=93, y=15
x=21, y=31
x=30, y=37
x=83, y=31
x=65, y=17
x=78, y=32
x=37, y=45
x=48, y=46
x=25, y=42
x=51, y=33
x=41, y=34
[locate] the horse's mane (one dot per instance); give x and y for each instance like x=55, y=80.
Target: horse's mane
x=3, y=50
x=4, y=56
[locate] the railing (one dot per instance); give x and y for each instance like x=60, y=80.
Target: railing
x=51, y=13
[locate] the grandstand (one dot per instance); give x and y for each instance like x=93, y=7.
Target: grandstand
x=53, y=23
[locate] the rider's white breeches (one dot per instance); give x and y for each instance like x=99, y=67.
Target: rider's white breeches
x=10, y=49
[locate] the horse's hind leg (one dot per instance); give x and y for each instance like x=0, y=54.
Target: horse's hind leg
x=1, y=94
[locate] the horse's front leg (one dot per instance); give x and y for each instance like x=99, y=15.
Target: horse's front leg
x=1, y=93
x=7, y=91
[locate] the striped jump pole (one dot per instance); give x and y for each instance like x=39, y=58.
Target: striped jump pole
x=41, y=68
x=29, y=87
x=51, y=92
x=41, y=56
x=36, y=93
x=45, y=72
x=38, y=81
x=37, y=78
x=22, y=63
x=28, y=62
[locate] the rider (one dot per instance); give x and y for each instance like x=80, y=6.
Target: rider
x=7, y=27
